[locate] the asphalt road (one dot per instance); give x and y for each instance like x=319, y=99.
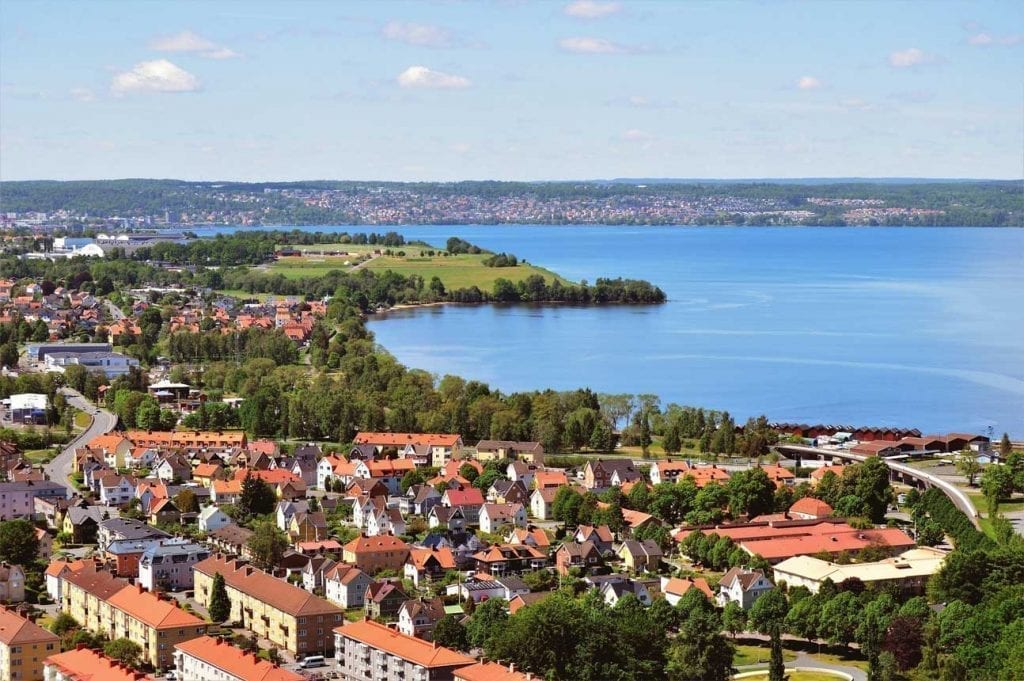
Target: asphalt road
x=103, y=421
x=114, y=310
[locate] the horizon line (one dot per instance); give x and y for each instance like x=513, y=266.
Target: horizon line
x=614, y=180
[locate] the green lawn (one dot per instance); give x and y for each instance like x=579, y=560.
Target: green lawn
x=345, y=248
x=82, y=420
x=747, y=654
x=458, y=271
x=238, y=293
x=39, y=455
x=844, y=660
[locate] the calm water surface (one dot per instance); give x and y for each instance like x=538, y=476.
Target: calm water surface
x=872, y=326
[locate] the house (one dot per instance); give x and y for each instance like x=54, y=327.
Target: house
x=419, y=499
x=313, y=572
x=226, y=491
x=12, y=583
x=232, y=539
x=668, y=471
x=307, y=527
x=604, y=473
x=581, y=556
x=818, y=473
x=809, y=508
x=781, y=476
x=383, y=600
x=209, y=658
x=908, y=572
x=370, y=651
x=82, y=524
x=346, y=585
x=419, y=617
x=470, y=500
x=503, y=559
x=541, y=501
x=601, y=536
x=452, y=519
x=543, y=479
x=334, y=468
x=164, y=511
x=287, y=615
x=674, y=588
x=520, y=471
x=742, y=587
x=310, y=548
x=17, y=499
x=428, y=564
x=388, y=471
x=373, y=554
x=385, y=521
x=531, y=536
x=114, y=448
x=119, y=529
x=56, y=571
x=491, y=450
x=116, y=490
x=212, y=518
x=476, y=590
x=641, y=556
x=508, y=492
x=206, y=473
x=173, y=468
x=82, y=664
x=168, y=565
x=494, y=517
x=523, y=600
x=24, y=645
x=613, y=591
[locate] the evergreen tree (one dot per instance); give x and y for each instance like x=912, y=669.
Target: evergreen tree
x=220, y=606
x=257, y=497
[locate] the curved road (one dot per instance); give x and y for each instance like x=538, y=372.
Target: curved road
x=59, y=469
x=955, y=494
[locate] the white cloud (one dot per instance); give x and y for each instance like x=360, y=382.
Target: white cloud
x=986, y=39
x=589, y=45
x=82, y=94
x=187, y=41
x=809, y=83
x=635, y=135
x=420, y=35
x=909, y=57
x=158, y=75
x=591, y=9
x=422, y=77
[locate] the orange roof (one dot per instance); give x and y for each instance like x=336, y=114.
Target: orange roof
x=205, y=470
x=707, y=474
x=403, y=439
x=182, y=439
x=417, y=651
x=151, y=609
x=57, y=566
x=811, y=506
x=227, y=487
x=819, y=473
x=550, y=479
x=388, y=467
x=16, y=629
x=808, y=545
x=109, y=441
x=452, y=468
x=444, y=557
x=85, y=664
x=275, y=477
x=678, y=587
x=381, y=542
x=667, y=466
x=489, y=671
x=234, y=661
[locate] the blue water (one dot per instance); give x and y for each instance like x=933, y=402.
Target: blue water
x=860, y=326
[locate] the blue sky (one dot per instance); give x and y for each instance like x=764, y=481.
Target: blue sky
x=510, y=90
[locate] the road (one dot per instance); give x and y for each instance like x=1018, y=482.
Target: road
x=59, y=469
x=114, y=311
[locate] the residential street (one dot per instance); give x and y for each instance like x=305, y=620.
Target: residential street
x=103, y=421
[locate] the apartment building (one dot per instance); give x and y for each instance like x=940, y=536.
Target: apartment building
x=213, y=659
x=369, y=651
x=168, y=565
x=23, y=647
x=85, y=664
x=18, y=499
x=287, y=615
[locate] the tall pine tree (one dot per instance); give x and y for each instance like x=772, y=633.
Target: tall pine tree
x=220, y=606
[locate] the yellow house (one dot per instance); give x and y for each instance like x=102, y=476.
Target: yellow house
x=23, y=647
x=288, y=616
x=114, y=447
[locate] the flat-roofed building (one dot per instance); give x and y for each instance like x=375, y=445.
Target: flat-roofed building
x=369, y=651
x=24, y=645
x=909, y=571
x=213, y=659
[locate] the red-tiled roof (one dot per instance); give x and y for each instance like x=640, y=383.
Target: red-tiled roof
x=85, y=664
x=276, y=593
x=417, y=651
x=811, y=506
x=152, y=610
x=234, y=661
x=15, y=629
x=402, y=439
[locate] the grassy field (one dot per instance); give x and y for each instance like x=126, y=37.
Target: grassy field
x=39, y=455
x=82, y=420
x=747, y=654
x=341, y=248
x=237, y=293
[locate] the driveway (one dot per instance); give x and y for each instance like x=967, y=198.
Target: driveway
x=59, y=469
x=114, y=311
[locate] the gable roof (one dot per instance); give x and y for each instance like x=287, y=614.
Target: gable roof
x=234, y=661
x=380, y=542
x=811, y=506
x=15, y=629
x=417, y=651
x=469, y=496
x=403, y=439
x=85, y=664
x=152, y=609
x=276, y=593
x=678, y=586
x=443, y=557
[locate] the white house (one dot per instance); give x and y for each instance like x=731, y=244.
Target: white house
x=612, y=591
x=540, y=502
x=742, y=587
x=494, y=517
x=345, y=585
x=116, y=490
x=385, y=521
x=212, y=518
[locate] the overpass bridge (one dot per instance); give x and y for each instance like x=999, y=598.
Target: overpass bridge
x=897, y=472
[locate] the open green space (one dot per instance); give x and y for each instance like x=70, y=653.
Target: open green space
x=748, y=654
x=82, y=419
x=340, y=248
x=39, y=455
x=458, y=271
x=238, y=293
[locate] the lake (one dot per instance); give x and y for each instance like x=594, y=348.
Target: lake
x=859, y=326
